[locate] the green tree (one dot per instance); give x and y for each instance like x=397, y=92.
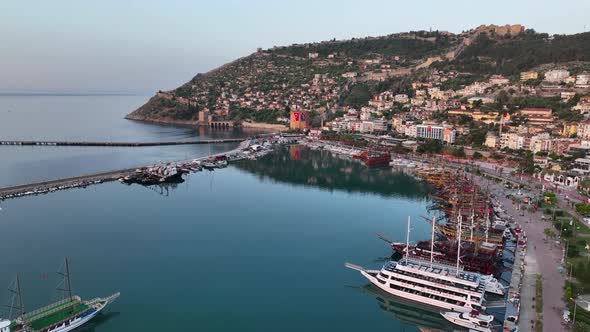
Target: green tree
x=583, y=208
x=549, y=233
x=502, y=97
x=430, y=146
x=458, y=152
x=359, y=96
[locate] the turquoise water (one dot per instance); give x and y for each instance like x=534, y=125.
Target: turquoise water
x=258, y=246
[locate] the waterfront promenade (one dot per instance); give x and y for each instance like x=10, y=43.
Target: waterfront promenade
x=542, y=257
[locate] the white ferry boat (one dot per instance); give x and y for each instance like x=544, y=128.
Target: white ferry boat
x=433, y=284
x=472, y=320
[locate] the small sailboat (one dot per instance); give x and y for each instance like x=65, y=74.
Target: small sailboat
x=62, y=316
x=473, y=320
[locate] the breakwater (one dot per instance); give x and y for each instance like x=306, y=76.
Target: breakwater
x=118, y=144
x=249, y=148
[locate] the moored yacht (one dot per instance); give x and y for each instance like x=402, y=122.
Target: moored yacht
x=492, y=285
x=473, y=320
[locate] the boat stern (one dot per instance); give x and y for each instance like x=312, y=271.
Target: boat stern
x=5, y=325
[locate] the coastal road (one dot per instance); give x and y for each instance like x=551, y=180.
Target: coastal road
x=542, y=257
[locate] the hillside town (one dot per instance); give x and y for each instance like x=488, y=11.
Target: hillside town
x=373, y=86
x=491, y=118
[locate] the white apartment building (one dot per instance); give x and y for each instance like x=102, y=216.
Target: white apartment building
x=584, y=130
x=436, y=132
x=557, y=75
x=512, y=141
x=583, y=80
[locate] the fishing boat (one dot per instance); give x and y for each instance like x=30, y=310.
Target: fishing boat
x=62, y=316
x=472, y=320
x=439, y=285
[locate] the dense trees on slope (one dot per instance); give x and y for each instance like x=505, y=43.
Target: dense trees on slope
x=511, y=56
x=388, y=46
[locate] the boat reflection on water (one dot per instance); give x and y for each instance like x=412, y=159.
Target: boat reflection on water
x=427, y=319
x=301, y=166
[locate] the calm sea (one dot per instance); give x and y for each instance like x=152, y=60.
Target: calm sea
x=258, y=246
x=87, y=118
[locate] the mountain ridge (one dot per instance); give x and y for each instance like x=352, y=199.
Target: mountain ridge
x=265, y=85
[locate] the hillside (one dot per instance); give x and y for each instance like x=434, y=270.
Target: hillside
x=489, y=55
x=322, y=77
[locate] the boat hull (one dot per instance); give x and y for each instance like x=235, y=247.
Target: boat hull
x=415, y=297
x=463, y=323
x=78, y=322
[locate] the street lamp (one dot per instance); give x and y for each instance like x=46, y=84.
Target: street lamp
x=575, y=307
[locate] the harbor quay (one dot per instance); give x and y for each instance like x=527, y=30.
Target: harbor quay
x=532, y=255
x=493, y=214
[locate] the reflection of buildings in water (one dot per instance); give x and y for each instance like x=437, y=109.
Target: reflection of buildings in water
x=295, y=152
x=328, y=171
x=427, y=319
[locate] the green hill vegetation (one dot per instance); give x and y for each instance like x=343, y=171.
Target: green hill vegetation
x=510, y=56
x=265, y=85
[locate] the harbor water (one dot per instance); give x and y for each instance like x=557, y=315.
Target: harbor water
x=88, y=118
x=257, y=246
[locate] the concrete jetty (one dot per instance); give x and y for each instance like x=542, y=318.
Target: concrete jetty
x=118, y=144
x=44, y=187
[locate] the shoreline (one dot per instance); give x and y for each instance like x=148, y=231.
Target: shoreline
x=165, y=121
x=195, y=123
x=261, y=125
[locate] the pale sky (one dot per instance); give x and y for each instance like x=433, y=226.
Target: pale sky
x=143, y=46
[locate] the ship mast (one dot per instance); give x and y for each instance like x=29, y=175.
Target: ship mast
x=472, y=220
x=408, y=240
x=20, y=296
x=432, y=241
x=460, y=219
x=66, y=282
x=487, y=221
x=472, y=214
x=16, y=296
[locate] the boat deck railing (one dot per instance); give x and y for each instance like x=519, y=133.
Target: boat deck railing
x=52, y=308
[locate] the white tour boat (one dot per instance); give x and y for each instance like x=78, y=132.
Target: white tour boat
x=431, y=283
x=472, y=320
